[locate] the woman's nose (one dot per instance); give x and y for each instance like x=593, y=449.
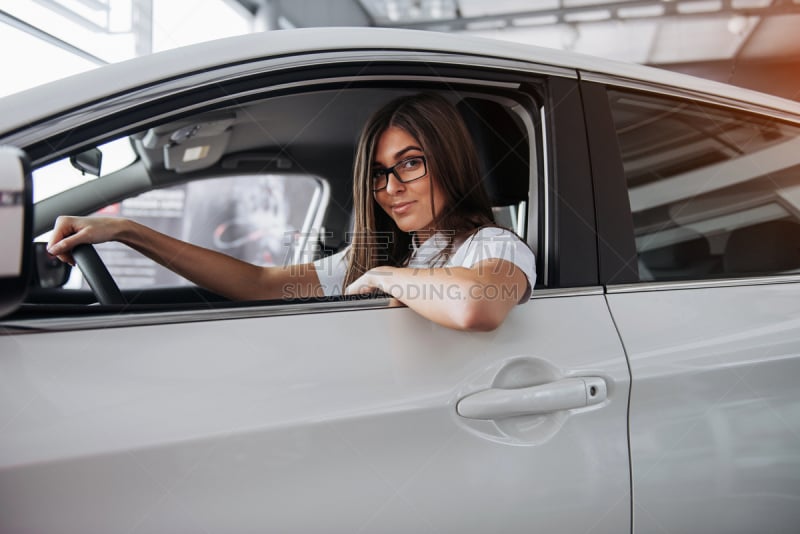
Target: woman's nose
x=393, y=184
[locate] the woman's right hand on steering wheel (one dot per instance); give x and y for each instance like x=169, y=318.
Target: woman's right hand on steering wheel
x=71, y=231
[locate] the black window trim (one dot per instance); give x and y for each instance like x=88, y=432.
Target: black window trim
x=617, y=255
x=573, y=259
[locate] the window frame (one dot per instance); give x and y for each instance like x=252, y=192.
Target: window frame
x=482, y=75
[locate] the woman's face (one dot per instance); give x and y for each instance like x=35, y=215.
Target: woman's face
x=408, y=204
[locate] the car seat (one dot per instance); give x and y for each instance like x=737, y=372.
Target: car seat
x=769, y=247
x=689, y=258
x=503, y=155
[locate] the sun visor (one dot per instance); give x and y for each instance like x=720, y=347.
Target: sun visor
x=197, y=146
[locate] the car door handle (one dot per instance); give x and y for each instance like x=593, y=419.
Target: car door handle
x=564, y=394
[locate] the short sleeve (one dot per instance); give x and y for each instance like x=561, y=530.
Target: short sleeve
x=497, y=243
x=331, y=271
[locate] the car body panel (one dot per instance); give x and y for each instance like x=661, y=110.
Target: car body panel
x=298, y=423
x=714, y=406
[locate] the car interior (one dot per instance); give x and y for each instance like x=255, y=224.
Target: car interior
x=307, y=139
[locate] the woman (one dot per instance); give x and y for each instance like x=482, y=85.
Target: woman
x=424, y=231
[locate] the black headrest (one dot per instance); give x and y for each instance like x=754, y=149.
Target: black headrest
x=502, y=147
x=772, y=246
x=678, y=255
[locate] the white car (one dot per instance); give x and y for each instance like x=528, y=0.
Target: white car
x=650, y=385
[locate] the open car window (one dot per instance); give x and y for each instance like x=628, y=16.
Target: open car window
x=268, y=181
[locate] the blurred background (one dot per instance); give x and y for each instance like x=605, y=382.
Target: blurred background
x=750, y=43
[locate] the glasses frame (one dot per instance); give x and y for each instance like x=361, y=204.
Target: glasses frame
x=391, y=170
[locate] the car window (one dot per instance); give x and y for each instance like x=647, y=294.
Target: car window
x=264, y=220
x=714, y=192
x=269, y=181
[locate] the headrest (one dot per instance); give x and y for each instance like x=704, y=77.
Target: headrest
x=502, y=147
x=772, y=246
x=678, y=255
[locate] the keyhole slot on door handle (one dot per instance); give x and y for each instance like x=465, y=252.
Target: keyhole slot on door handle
x=567, y=394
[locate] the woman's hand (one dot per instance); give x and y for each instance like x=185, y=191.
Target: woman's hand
x=72, y=231
x=374, y=279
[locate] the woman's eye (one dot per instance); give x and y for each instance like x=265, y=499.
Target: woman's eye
x=412, y=163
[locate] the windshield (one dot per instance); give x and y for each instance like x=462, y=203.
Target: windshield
x=60, y=175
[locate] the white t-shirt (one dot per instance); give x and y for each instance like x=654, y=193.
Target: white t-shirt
x=486, y=243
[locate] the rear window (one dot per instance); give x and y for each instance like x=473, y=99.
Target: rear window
x=714, y=192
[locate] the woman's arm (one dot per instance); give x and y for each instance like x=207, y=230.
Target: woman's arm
x=224, y=275
x=477, y=298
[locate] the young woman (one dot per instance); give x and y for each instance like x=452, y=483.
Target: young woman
x=423, y=233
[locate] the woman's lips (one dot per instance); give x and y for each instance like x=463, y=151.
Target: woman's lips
x=401, y=207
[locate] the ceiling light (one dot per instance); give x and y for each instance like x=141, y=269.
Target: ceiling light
x=410, y=10
x=705, y=6
x=737, y=25
x=588, y=16
x=745, y=4
x=583, y=3
x=569, y=36
x=640, y=12
x=534, y=21
x=498, y=24
x=392, y=10
x=439, y=9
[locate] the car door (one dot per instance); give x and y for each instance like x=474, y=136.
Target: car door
x=706, y=296
x=333, y=415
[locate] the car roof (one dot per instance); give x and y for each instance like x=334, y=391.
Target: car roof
x=36, y=104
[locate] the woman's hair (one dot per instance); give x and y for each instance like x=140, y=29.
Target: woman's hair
x=452, y=161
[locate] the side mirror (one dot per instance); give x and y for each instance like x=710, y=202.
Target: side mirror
x=16, y=221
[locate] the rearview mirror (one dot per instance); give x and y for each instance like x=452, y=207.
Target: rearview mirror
x=88, y=161
x=16, y=221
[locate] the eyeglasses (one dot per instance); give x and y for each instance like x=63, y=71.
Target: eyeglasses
x=407, y=170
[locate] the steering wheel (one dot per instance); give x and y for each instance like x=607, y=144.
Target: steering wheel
x=96, y=274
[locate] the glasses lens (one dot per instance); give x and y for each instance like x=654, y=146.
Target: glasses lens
x=378, y=180
x=411, y=169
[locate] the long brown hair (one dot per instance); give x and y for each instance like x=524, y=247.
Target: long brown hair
x=452, y=161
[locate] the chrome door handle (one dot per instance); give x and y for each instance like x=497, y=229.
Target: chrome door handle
x=566, y=394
